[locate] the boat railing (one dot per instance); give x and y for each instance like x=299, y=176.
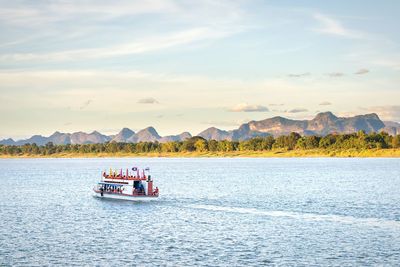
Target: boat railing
x=124, y=177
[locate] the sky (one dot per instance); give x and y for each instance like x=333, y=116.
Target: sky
x=188, y=65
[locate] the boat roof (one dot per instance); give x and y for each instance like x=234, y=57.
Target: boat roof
x=109, y=183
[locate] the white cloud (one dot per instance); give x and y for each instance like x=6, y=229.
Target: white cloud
x=334, y=27
x=244, y=107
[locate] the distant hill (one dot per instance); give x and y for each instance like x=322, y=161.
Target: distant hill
x=214, y=133
x=92, y=138
x=148, y=134
x=8, y=142
x=391, y=127
x=123, y=135
x=38, y=139
x=323, y=124
x=59, y=138
x=126, y=135
x=172, y=138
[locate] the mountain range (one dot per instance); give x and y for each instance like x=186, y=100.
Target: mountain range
x=323, y=124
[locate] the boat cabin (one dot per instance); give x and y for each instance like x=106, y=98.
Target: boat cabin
x=126, y=183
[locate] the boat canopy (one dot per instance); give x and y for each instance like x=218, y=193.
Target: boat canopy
x=111, y=184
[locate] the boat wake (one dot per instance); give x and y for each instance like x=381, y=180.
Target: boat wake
x=373, y=222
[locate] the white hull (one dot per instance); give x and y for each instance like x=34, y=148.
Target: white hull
x=125, y=197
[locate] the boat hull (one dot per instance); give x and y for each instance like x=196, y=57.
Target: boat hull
x=125, y=197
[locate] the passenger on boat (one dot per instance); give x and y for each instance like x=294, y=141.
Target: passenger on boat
x=141, y=188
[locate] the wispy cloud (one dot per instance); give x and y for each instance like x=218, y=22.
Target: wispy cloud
x=331, y=26
x=148, y=44
x=361, y=71
x=325, y=103
x=83, y=24
x=390, y=112
x=50, y=12
x=335, y=74
x=274, y=105
x=297, y=110
x=221, y=123
x=392, y=63
x=148, y=100
x=244, y=107
x=227, y=123
x=86, y=104
x=299, y=75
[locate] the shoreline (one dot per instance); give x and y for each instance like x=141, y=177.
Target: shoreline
x=312, y=153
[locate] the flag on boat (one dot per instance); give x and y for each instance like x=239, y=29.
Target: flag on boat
x=134, y=169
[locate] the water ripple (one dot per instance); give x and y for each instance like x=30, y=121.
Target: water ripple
x=212, y=212
x=373, y=222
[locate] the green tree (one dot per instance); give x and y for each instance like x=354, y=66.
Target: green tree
x=327, y=141
x=213, y=145
x=396, y=141
x=201, y=145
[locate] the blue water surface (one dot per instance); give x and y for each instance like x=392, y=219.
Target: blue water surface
x=211, y=212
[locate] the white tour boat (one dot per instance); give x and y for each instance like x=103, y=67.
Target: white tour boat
x=136, y=186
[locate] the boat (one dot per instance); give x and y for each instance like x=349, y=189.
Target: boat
x=135, y=186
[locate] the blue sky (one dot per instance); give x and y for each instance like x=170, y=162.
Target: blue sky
x=188, y=65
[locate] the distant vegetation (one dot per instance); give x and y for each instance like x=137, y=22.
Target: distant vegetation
x=294, y=142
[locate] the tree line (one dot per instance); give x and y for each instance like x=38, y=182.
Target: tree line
x=293, y=141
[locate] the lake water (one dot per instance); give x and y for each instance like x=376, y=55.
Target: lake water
x=211, y=212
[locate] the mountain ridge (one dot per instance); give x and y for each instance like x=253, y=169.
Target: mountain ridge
x=322, y=124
